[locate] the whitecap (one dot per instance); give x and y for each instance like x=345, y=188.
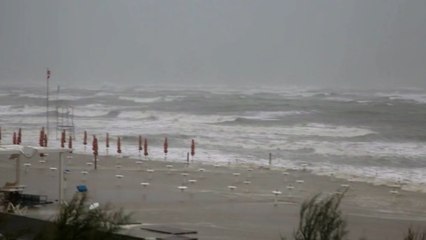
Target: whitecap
x=140, y=100
x=270, y=115
x=409, y=96
x=373, y=149
x=22, y=110
x=135, y=115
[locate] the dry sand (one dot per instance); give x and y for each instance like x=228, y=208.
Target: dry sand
x=209, y=206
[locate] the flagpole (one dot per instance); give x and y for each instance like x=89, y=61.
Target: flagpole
x=47, y=101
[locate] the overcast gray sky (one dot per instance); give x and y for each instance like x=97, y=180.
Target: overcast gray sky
x=345, y=43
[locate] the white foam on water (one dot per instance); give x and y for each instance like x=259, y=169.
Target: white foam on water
x=173, y=98
x=104, y=94
x=89, y=112
x=373, y=149
x=136, y=115
x=22, y=110
x=270, y=115
x=70, y=97
x=92, y=110
x=140, y=100
x=413, y=97
x=339, y=99
x=32, y=95
x=409, y=179
x=325, y=130
x=170, y=98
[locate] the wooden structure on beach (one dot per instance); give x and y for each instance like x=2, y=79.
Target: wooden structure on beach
x=13, y=191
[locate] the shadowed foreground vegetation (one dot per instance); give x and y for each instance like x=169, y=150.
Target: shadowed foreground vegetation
x=77, y=221
x=322, y=219
x=413, y=235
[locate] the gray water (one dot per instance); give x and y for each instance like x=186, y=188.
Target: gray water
x=366, y=135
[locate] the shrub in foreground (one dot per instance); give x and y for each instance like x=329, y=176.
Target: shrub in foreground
x=415, y=235
x=77, y=222
x=321, y=219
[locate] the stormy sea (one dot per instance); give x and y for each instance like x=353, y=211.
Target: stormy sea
x=366, y=135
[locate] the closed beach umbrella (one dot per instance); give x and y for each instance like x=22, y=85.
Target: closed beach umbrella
x=45, y=140
x=145, y=147
x=192, y=147
x=107, y=140
x=14, y=138
x=166, y=146
x=63, y=139
x=118, y=145
x=19, y=140
x=41, y=137
x=85, y=138
x=95, y=146
x=70, y=142
x=140, y=143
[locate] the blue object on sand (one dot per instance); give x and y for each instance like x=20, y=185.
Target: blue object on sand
x=81, y=188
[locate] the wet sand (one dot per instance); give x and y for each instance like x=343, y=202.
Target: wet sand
x=211, y=206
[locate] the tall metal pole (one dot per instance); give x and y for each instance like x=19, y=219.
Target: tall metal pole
x=47, y=101
x=61, y=178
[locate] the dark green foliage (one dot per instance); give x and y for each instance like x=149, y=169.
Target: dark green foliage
x=77, y=222
x=11, y=234
x=321, y=219
x=414, y=235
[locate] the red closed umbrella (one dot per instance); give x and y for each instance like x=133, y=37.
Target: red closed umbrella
x=166, y=146
x=118, y=145
x=95, y=150
x=19, y=140
x=145, y=147
x=45, y=140
x=41, y=138
x=107, y=140
x=14, y=138
x=85, y=138
x=70, y=143
x=140, y=143
x=63, y=139
x=192, y=148
x=95, y=146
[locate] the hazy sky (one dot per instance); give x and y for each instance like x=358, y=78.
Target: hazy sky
x=345, y=43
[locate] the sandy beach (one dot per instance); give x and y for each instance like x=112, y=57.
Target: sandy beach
x=220, y=201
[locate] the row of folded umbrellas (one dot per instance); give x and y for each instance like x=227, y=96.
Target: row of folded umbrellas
x=43, y=142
